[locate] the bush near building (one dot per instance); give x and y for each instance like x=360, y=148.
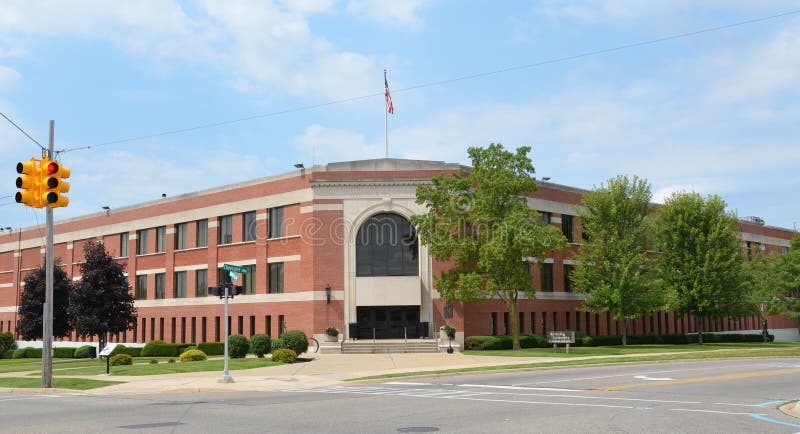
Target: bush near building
x=294, y=340
x=238, y=346
x=6, y=343
x=284, y=355
x=260, y=344
x=86, y=352
x=480, y=343
x=193, y=356
x=158, y=348
x=120, y=360
x=212, y=348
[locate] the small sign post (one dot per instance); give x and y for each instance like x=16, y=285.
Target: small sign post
x=107, y=350
x=565, y=337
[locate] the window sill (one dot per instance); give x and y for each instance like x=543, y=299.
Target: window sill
x=149, y=254
x=287, y=237
x=236, y=244
x=189, y=249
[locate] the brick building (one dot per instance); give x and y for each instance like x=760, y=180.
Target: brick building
x=327, y=246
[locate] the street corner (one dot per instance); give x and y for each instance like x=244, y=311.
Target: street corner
x=791, y=409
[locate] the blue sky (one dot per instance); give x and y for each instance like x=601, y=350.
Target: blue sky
x=715, y=113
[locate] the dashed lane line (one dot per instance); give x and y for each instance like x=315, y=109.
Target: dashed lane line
x=701, y=379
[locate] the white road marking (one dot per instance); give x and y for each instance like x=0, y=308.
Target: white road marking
x=645, y=377
x=740, y=405
x=489, y=386
x=653, y=372
x=712, y=411
x=403, y=383
x=578, y=404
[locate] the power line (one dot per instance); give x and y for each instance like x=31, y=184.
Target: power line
x=441, y=82
x=22, y=131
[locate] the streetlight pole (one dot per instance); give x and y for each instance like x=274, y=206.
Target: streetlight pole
x=47, y=333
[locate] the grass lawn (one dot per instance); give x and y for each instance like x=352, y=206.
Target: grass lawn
x=59, y=383
x=642, y=349
x=141, y=366
x=695, y=352
x=22, y=365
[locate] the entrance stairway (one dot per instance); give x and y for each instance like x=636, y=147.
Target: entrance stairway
x=390, y=346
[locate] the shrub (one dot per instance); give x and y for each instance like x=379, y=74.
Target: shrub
x=260, y=345
x=64, y=352
x=238, y=345
x=149, y=347
x=212, y=348
x=85, y=352
x=171, y=361
x=276, y=344
x=33, y=353
x=120, y=360
x=9, y=354
x=6, y=343
x=332, y=331
x=19, y=353
x=193, y=356
x=153, y=361
x=587, y=341
x=295, y=340
x=533, y=341
x=284, y=355
x=131, y=351
x=449, y=331
x=158, y=348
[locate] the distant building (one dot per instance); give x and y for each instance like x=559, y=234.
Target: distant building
x=328, y=246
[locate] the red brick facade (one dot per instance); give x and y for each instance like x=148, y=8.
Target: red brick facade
x=322, y=208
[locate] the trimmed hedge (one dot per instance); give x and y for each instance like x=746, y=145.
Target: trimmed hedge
x=294, y=340
x=276, y=344
x=260, y=345
x=284, y=355
x=481, y=343
x=193, y=356
x=8, y=354
x=120, y=360
x=19, y=353
x=212, y=348
x=158, y=348
x=131, y=351
x=33, y=353
x=238, y=346
x=63, y=352
x=6, y=343
x=86, y=352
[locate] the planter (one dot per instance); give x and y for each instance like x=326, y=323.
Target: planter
x=329, y=338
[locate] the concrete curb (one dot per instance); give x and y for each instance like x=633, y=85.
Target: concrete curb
x=791, y=409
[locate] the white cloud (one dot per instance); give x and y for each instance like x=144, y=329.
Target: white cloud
x=323, y=145
x=392, y=12
x=9, y=79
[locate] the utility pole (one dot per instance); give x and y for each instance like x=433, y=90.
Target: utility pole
x=47, y=333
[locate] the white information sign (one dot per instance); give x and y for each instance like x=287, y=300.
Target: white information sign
x=108, y=349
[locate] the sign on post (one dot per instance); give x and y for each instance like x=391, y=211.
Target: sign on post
x=565, y=337
x=106, y=351
x=234, y=268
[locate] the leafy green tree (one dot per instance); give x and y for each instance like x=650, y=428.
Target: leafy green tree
x=787, y=281
x=700, y=259
x=480, y=222
x=614, y=270
x=101, y=301
x=32, y=301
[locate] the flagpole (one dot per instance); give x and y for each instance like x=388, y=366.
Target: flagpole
x=385, y=120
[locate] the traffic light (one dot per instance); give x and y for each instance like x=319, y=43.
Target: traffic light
x=220, y=290
x=53, y=184
x=30, y=183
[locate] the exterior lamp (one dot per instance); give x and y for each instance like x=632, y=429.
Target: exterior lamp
x=328, y=293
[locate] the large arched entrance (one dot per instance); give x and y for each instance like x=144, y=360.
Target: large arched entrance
x=387, y=276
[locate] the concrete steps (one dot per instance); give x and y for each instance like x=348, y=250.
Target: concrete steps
x=390, y=346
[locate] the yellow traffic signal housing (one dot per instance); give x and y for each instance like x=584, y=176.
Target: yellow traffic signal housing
x=53, y=184
x=30, y=183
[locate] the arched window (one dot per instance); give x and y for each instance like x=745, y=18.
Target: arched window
x=386, y=245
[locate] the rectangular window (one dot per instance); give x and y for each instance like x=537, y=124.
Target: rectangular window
x=123, y=245
x=276, y=222
x=201, y=283
x=161, y=329
x=546, y=277
x=240, y=323
x=506, y=324
x=249, y=226
x=567, y=282
x=180, y=284
x=144, y=329
x=194, y=329
x=161, y=283
x=203, y=329
x=202, y=233
x=216, y=329
x=249, y=280
x=276, y=278
x=181, y=236
x=281, y=324
x=225, y=230
x=161, y=239
x=172, y=334
x=141, y=241
x=268, y=325
x=141, y=287
x=566, y=226
x=252, y=325
x=545, y=217
x=152, y=329
x=183, y=330
x=494, y=323
x=784, y=250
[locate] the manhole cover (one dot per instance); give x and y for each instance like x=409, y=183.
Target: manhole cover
x=418, y=429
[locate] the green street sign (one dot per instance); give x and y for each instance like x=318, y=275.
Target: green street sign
x=234, y=268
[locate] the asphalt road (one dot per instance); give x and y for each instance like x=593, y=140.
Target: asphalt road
x=702, y=396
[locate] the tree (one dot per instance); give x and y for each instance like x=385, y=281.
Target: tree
x=32, y=301
x=480, y=222
x=101, y=301
x=762, y=287
x=787, y=281
x=614, y=270
x=700, y=261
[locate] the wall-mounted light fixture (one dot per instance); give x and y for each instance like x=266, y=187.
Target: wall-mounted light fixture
x=328, y=293
x=299, y=166
x=107, y=209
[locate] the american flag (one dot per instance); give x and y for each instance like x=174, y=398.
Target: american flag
x=389, y=105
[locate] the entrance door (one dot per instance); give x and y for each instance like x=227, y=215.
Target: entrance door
x=387, y=322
